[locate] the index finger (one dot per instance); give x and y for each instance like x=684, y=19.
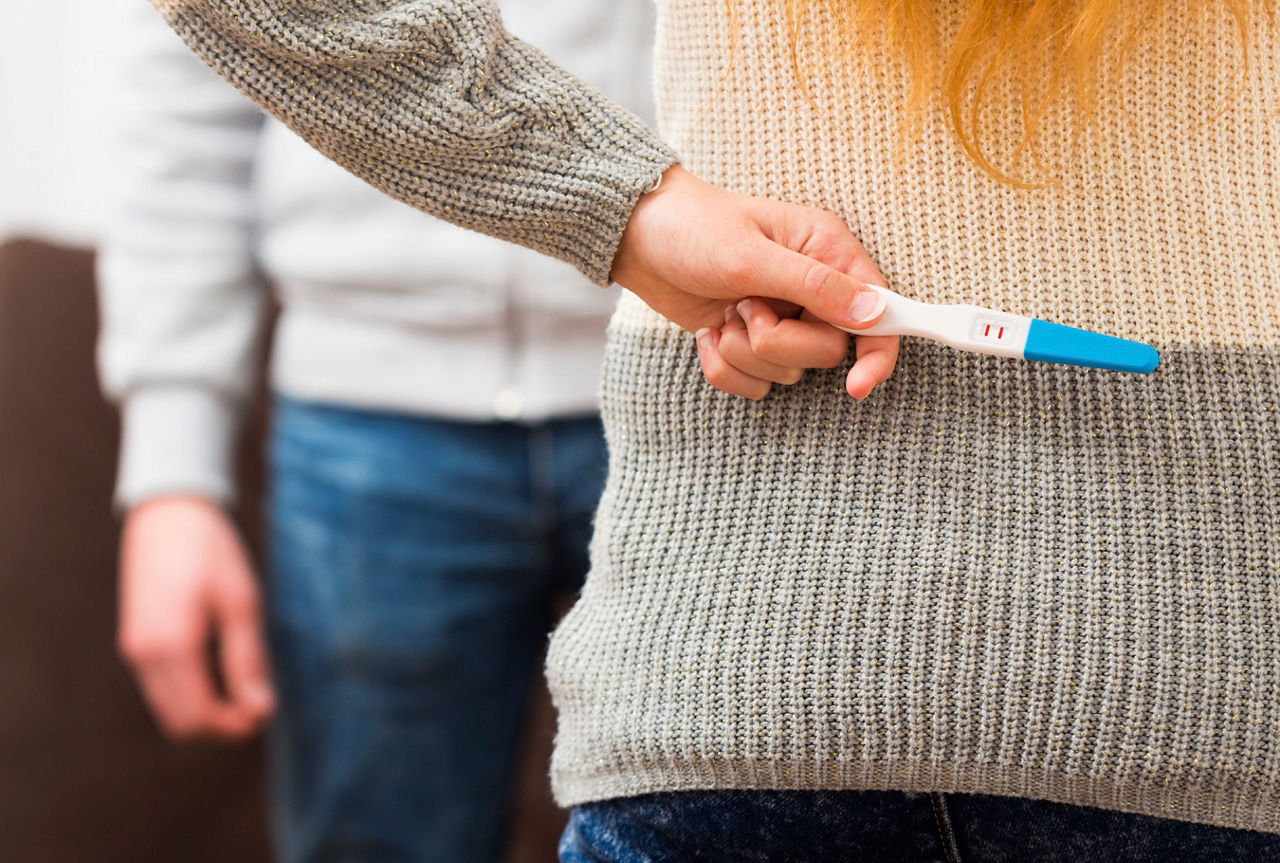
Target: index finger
x=877, y=355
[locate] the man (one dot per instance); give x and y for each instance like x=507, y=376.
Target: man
x=435, y=457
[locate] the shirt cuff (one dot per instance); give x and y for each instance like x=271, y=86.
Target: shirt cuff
x=176, y=440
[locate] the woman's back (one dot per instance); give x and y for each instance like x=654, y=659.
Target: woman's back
x=989, y=576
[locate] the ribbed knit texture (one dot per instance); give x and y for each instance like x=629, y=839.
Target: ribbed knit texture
x=990, y=576
x=434, y=103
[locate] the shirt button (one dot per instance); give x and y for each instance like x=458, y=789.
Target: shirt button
x=507, y=404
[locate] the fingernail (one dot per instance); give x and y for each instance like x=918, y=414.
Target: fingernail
x=702, y=337
x=744, y=309
x=730, y=313
x=867, y=305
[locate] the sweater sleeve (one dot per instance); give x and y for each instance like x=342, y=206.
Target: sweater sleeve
x=434, y=103
x=181, y=299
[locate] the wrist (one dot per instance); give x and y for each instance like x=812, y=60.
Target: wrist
x=627, y=262
x=169, y=509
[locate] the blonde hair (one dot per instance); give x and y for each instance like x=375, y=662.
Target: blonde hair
x=1048, y=49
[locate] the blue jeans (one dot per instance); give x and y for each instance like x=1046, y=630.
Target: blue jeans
x=888, y=827
x=413, y=568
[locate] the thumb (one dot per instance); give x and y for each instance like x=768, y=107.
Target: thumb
x=242, y=649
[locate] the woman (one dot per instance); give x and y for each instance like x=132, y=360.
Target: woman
x=1041, y=599
x=990, y=577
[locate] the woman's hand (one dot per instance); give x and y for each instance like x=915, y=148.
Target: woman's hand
x=764, y=342
x=694, y=253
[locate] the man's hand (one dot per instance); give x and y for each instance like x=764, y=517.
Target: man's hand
x=693, y=252
x=186, y=584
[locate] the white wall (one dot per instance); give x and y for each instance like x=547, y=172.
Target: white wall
x=57, y=65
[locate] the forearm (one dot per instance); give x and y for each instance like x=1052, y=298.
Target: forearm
x=433, y=102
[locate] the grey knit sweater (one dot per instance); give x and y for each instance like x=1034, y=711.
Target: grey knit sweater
x=991, y=576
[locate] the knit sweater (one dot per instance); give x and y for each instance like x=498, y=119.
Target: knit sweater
x=436, y=104
x=990, y=576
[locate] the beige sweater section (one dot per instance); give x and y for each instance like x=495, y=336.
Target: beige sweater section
x=990, y=576
x=1152, y=234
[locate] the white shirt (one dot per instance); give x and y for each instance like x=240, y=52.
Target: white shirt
x=383, y=307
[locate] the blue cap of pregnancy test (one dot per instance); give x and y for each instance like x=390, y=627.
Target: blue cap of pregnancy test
x=1056, y=343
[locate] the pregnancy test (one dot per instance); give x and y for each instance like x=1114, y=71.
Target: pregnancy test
x=986, y=331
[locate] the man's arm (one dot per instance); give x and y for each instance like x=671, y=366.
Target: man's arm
x=181, y=310
x=433, y=102
x=181, y=300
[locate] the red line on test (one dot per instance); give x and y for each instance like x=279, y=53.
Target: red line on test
x=987, y=331
x=1000, y=335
